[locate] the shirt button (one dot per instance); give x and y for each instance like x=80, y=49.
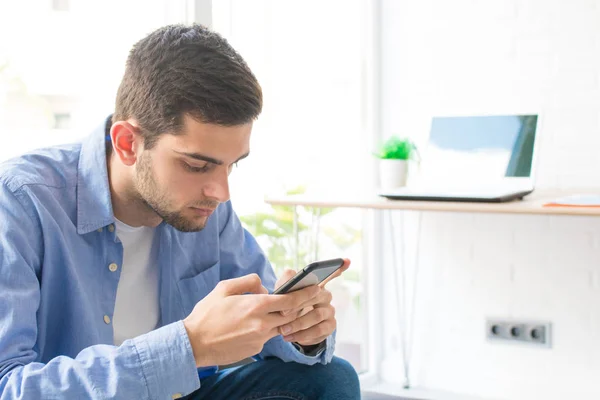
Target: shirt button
x=177, y=396
x=113, y=267
x=111, y=228
x=106, y=319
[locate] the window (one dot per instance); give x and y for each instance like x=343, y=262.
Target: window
x=61, y=63
x=309, y=58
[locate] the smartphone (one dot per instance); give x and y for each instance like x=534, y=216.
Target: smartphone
x=312, y=274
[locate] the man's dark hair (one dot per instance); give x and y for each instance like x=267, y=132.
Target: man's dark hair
x=179, y=70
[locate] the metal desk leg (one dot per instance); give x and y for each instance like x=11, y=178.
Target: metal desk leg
x=406, y=310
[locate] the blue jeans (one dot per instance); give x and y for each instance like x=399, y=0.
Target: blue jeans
x=274, y=379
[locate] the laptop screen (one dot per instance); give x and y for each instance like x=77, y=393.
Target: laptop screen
x=480, y=148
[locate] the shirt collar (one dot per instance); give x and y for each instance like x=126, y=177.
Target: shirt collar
x=94, y=206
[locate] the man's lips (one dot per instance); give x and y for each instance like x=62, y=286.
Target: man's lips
x=203, y=212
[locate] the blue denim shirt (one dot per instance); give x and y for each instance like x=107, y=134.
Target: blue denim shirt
x=57, y=293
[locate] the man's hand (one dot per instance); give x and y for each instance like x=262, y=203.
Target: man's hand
x=315, y=319
x=237, y=318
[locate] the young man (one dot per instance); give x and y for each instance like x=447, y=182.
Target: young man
x=124, y=271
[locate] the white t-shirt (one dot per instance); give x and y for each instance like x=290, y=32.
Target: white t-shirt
x=137, y=309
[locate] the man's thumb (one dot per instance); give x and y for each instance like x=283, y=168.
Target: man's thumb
x=245, y=284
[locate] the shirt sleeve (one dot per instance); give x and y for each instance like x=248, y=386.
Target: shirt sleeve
x=277, y=347
x=240, y=251
x=156, y=365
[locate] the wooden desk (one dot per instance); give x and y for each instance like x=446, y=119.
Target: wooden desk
x=532, y=204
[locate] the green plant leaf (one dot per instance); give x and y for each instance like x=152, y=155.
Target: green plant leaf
x=396, y=148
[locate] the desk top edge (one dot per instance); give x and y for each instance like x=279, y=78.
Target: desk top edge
x=532, y=204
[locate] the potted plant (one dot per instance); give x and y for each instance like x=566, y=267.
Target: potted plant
x=394, y=156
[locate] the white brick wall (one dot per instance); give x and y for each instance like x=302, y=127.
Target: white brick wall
x=497, y=56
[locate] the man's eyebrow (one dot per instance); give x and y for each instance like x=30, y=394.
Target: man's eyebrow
x=201, y=157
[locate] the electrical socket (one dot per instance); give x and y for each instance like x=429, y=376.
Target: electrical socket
x=526, y=332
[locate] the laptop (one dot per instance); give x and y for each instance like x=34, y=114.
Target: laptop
x=475, y=159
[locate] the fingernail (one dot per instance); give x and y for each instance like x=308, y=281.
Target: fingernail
x=286, y=329
x=289, y=338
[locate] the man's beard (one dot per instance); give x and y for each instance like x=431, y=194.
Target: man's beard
x=156, y=199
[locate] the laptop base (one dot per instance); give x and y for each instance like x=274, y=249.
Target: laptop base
x=501, y=198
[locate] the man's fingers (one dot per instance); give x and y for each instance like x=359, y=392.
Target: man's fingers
x=324, y=297
x=298, y=312
x=275, y=320
x=313, y=335
x=312, y=318
x=336, y=273
x=285, y=276
x=292, y=300
x=246, y=284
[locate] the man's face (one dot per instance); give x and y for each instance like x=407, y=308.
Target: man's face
x=184, y=177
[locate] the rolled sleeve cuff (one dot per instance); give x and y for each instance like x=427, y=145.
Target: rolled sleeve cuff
x=167, y=361
x=323, y=358
x=327, y=355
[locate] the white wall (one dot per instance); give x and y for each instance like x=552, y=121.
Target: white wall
x=471, y=57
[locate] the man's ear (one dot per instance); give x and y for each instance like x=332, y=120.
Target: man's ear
x=126, y=141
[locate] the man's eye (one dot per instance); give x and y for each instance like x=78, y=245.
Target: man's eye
x=190, y=168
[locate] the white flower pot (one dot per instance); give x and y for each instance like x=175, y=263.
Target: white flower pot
x=392, y=173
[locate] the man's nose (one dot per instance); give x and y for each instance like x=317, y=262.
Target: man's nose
x=218, y=189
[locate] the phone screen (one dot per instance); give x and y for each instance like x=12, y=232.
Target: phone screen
x=315, y=275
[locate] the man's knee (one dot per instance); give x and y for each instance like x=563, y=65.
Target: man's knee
x=335, y=381
x=340, y=369
x=339, y=380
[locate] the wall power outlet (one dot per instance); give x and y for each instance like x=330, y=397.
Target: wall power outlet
x=523, y=331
